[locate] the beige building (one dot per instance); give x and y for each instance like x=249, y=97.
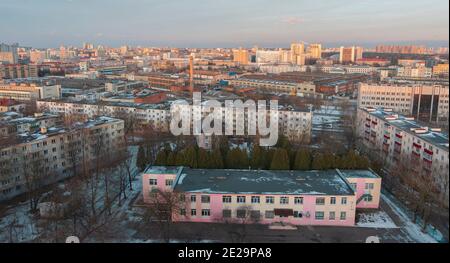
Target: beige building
x=27, y=91
x=52, y=153
x=15, y=71
x=285, y=87
x=426, y=102
x=440, y=69
x=315, y=51
x=241, y=56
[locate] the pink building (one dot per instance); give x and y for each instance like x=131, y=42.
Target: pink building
x=254, y=196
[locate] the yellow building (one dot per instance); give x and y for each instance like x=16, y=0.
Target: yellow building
x=315, y=51
x=241, y=56
x=440, y=69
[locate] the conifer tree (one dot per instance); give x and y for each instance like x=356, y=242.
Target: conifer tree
x=141, y=161
x=161, y=158
x=280, y=160
x=302, y=160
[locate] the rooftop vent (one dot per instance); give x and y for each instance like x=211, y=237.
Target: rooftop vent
x=43, y=130
x=436, y=129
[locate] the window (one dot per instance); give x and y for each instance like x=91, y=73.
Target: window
x=226, y=199
x=241, y=213
x=206, y=212
x=319, y=215
x=193, y=212
x=255, y=214
x=298, y=214
x=205, y=199
x=343, y=215
x=333, y=200
x=332, y=215
x=369, y=186
x=344, y=200
x=226, y=213
x=269, y=200
x=193, y=198
x=183, y=212
x=368, y=198
x=182, y=198
x=255, y=199
x=241, y=199
x=169, y=182
x=153, y=181
x=284, y=200
x=320, y=201
x=353, y=186
x=269, y=214
x=298, y=200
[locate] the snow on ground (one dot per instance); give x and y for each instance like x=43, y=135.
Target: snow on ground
x=413, y=230
x=377, y=219
x=17, y=225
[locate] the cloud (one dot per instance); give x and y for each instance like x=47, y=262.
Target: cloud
x=292, y=20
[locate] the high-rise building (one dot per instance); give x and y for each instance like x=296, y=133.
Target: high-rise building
x=298, y=53
x=241, y=56
x=315, y=51
x=347, y=54
x=359, y=53
x=8, y=53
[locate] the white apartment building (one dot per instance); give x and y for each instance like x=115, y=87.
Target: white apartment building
x=401, y=139
x=150, y=114
x=426, y=102
x=50, y=154
x=294, y=125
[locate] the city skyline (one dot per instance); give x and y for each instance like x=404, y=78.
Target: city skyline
x=177, y=24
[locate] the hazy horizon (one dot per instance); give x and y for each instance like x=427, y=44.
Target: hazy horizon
x=221, y=23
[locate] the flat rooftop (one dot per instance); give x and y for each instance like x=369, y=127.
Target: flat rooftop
x=225, y=181
x=437, y=138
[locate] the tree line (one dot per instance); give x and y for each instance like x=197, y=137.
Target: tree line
x=280, y=157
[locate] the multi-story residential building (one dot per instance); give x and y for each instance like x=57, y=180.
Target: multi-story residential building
x=15, y=71
x=400, y=139
x=414, y=72
x=29, y=91
x=153, y=114
x=44, y=156
x=265, y=197
x=241, y=56
x=347, y=55
x=314, y=51
x=440, y=69
x=425, y=102
x=8, y=53
x=305, y=88
x=401, y=49
x=163, y=80
x=267, y=56
x=294, y=124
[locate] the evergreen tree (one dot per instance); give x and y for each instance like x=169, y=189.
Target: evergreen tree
x=237, y=159
x=141, y=161
x=318, y=162
x=329, y=161
x=161, y=158
x=280, y=160
x=203, y=159
x=191, y=157
x=179, y=159
x=172, y=159
x=257, y=157
x=216, y=159
x=302, y=160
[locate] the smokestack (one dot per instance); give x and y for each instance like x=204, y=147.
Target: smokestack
x=191, y=73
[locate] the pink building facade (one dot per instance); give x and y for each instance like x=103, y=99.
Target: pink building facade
x=265, y=197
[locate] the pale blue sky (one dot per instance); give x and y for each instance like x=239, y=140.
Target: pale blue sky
x=223, y=23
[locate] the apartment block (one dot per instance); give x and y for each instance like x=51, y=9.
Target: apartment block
x=15, y=71
x=264, y=197
x=51, y=153
x=286, y=87
x=400, y=139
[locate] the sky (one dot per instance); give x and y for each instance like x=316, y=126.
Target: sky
x=223, y=23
